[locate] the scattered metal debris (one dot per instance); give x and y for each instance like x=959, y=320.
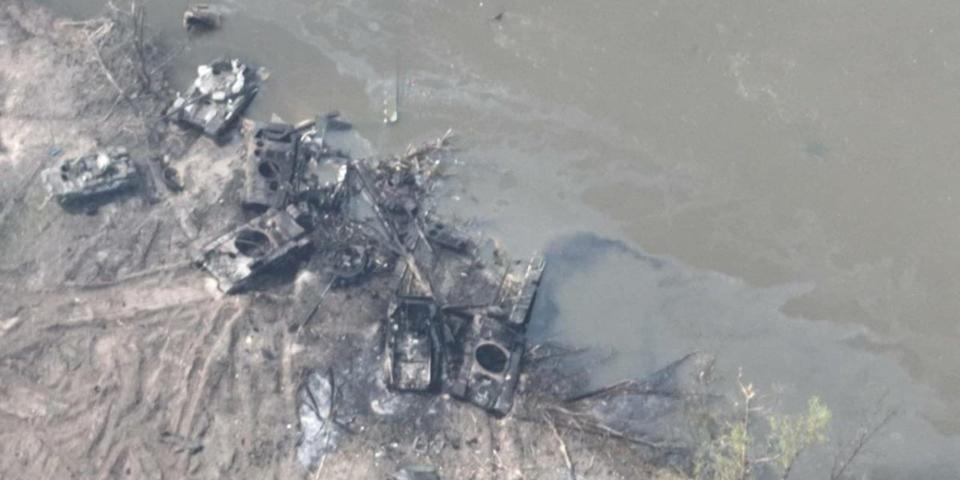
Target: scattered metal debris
x=201, y=17
x=333, y=122
x=319, y=432
x=440, y=234
x=217, y=98
x=96, y=175
x=169, y=175
x=350, y=264
x=417, y=472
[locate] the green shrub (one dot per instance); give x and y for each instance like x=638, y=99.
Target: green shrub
x=738, y=449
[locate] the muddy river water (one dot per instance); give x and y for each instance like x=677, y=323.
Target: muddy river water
x=775, y=182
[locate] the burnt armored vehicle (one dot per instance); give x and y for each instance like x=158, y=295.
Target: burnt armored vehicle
x=490, y=366
x=289, y=164
x=486, y=344
x=412, y=348
x=412, y=345
x=91, y=176
x=217, y=98
x=236, y=257
x=270, y=151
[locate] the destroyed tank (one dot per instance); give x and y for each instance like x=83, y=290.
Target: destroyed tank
x=95, y=175
x=490, y=368
x=236, y=257
x=217, y=98
x=271, y=161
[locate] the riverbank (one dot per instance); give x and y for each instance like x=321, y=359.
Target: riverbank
x=119, y=359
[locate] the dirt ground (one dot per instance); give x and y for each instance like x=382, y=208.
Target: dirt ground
x=119, y=359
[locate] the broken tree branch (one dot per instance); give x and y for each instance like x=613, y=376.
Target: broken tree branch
x=138, y=28
x=109, y=74
x=150, y=243
x=373, y=199
x=112, y=109
x=315, y=309
x=866, y=435
x=316, y=476
x=586, y=423
x=563, y=445
x=17, y=199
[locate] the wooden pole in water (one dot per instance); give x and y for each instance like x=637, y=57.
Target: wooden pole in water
x=396, y=100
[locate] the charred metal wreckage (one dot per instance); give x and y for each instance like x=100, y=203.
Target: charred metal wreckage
x=266, y=241
x=323, y=201
x=304, y=190
x=455, y=324
x=201, y=17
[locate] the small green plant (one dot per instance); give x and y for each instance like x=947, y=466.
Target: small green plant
x=736, y=452
x=790, y=435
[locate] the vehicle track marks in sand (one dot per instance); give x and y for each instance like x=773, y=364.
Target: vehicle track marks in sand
x=208, y=368
x=27, y=443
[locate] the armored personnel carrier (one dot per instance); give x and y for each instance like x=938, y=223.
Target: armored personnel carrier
x=91, y=176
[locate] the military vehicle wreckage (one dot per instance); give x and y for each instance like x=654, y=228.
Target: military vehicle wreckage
x=356, y=222
x=95, y=175
x=201, y=17
x=308, y=197
x=268, y=240
x=271, y=160
x=412, y=344
x=454, y=316
x=217, y=98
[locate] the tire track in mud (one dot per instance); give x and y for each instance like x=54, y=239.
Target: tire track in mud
x=17, y=446
x=76, y=341
x=52, y=315
x=94, y=374
x=203, y=353
x=253, y=410
x=204, y=379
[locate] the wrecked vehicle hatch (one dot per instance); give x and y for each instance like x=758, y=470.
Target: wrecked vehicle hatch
x=98, y=174
x=443, y=235
x=519, y=289
x=217, y=98
x=266, y=241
